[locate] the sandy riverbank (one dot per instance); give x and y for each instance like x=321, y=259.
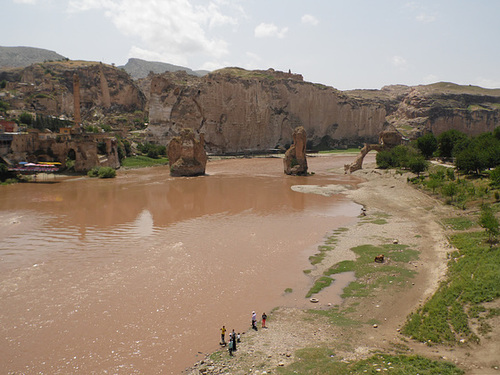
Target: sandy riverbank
x=411, y=217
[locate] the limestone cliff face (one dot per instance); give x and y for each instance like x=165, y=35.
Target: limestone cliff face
x=256, y=111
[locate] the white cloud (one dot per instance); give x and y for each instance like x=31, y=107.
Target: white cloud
x=425, y=18
x=170, y=30
x=309, y=20
x=25, y=1
x=398, y=62
x=265, y=30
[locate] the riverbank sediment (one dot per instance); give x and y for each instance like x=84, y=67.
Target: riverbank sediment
x=363, y=324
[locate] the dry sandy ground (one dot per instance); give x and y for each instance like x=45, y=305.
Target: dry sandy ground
x=413, y=218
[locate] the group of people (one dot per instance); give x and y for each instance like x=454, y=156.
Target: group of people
x=236, y=337
x=254, y=320
x=233, y=339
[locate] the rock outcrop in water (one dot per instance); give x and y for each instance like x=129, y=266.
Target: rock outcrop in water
x=186, y=154
x=295, y=161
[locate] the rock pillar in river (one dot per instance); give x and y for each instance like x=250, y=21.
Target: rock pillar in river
x=186, y=154
x=295, y=162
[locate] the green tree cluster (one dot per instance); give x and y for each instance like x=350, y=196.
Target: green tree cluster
x=151, y=150
x=49, y=122
x=405, y=157
x=474, y=155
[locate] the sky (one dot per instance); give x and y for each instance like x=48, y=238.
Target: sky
x=348, y=44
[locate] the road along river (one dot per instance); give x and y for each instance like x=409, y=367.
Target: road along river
x=137, y=274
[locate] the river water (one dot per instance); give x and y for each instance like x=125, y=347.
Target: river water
x=137, y=274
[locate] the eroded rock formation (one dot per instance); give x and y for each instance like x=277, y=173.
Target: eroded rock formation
x=387, y=140
x=186, y=154
x=295, y=162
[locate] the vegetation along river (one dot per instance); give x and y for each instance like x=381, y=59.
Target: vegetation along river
x=137, y=274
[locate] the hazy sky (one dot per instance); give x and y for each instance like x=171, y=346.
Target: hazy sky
x=345, y=44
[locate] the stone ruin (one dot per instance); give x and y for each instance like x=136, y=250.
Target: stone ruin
x=386, y=140
x=295, y=162
x=186, y=154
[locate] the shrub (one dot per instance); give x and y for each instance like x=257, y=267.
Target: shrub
x=94, y=172
x=106, y=172
x=384, y=159
x=495, y=176
x=102, y=172
x=489, y=222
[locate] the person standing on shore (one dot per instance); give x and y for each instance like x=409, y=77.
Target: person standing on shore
x=223, y=335
x=264, y=317
x=233, y=339
x=254, y=320
x=230, y=347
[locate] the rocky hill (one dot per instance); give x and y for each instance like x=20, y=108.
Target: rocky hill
x=15, y=57
x=437, y=107
x=245, y=111
x=138, y=68
x=106, y=93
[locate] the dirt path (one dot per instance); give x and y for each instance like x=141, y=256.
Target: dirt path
x=412, y=218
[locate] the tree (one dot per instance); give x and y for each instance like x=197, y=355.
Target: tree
x=26, y=118
x=427, y=145
x=469, y=161
x=490, y=223
x=449, y=190
x=417, y=164
x=447, y=142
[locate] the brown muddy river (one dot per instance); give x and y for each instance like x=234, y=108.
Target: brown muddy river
x=137, y=274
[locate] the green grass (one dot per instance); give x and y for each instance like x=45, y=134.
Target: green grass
x=459, y=223
x=319, y=361
x=378, y=218
x=337, y=317
x=473, y=278
x=319, y=284
x=403, y=365
x=371, y=275
x=142, y=161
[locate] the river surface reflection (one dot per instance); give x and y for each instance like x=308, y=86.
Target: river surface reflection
x=137, y=274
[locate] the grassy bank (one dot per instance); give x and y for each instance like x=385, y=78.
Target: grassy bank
x=323, y=361
x=142, y=161
x=473, y=278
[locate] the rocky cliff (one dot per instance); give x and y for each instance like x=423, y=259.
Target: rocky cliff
x=47, y=88
x=241, y=110
x=437, y=107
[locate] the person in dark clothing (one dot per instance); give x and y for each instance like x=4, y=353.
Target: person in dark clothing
x=233, y=339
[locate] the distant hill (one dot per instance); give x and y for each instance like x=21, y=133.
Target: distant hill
x=138, y=68
x=20, y=57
